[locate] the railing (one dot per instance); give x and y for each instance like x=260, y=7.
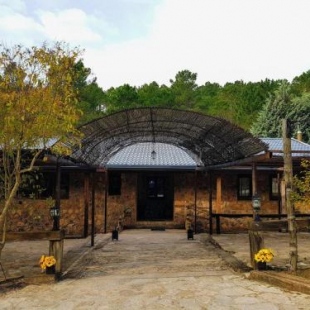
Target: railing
x=218, y=216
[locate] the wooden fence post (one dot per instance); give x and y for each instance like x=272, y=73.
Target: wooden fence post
x=256, y=242
x=56, y=250
x=288, y=179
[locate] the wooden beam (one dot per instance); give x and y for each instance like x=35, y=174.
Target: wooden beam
x=35, y=235
x=219, y=194
x=288, y=178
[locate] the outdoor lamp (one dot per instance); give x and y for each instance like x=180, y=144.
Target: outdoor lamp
x=153, y=155
x=256, y=203
x=55, y=214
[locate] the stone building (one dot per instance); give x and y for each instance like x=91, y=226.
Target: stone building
x=159, y=168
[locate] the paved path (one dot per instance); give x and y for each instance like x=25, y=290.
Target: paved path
x=153, y=270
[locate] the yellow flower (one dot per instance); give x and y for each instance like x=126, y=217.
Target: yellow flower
x=50, y=261
x=264, y=255
x=47, y=261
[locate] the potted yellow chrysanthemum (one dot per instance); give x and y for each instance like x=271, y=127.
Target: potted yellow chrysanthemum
x=47, y=264
x=262, y=257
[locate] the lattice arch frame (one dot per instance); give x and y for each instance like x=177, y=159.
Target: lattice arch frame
x=211, y=140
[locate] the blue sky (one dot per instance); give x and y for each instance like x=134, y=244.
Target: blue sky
x=140, y=41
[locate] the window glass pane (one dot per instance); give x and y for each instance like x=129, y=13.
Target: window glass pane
x=156, y=187
x=152, y=187
x=274, y=188
x=43, y=185
x=244, y=187
x=160, y=187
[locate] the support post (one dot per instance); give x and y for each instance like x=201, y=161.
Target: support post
x=210, y=204
x=288, y=179
x=105, y=200
x=86, y=203
x=219, y=194
x=279, y=197
x=195, y=204
x=56, y=220
x=56, y=242
x=256, y=243
x=254, y=190
x=93, y=210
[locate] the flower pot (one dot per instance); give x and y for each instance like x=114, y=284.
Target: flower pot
x=50, y=270
x=115, y=234
x=261, y=266
x=190, y=234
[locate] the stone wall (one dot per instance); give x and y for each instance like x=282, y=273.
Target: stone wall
x=229, y=203
x=122, y=208
x=32, y=215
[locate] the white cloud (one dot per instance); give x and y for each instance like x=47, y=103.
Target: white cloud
x=12, y=5
x=70, y=25
x=220, y=40
x=15, y=26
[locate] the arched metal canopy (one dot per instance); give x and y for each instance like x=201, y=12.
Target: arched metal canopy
x=213, y=140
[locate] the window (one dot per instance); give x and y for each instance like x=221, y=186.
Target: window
x=115, y=183
x=274, y=188
x=244, y=187
x=156, y=187
x=41, y=185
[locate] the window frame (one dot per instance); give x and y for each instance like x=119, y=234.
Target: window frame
x=274, y=196
x=249, y=187
x=44, y=185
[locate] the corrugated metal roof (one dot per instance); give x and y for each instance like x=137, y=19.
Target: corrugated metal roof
x=276, y=144
x=139, y=156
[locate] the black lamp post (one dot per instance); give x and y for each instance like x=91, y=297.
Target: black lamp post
x=55, y=211
x=55, y=214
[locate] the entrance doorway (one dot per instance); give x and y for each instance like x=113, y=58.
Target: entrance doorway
x=155, y=197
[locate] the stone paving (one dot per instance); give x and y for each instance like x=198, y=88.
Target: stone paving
x=147, y=269
x=238, y=246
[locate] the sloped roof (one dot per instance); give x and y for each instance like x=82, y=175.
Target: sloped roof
x=213, y=140
x=297, y=147
x=139, y=156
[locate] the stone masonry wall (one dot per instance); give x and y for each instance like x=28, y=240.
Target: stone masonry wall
x=33, y=215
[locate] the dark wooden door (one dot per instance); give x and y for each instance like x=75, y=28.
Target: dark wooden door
x=155, y=197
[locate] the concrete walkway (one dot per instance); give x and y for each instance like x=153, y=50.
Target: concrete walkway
x=144, y=270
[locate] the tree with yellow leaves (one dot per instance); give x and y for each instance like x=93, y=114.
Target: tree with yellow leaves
x=38, y=102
